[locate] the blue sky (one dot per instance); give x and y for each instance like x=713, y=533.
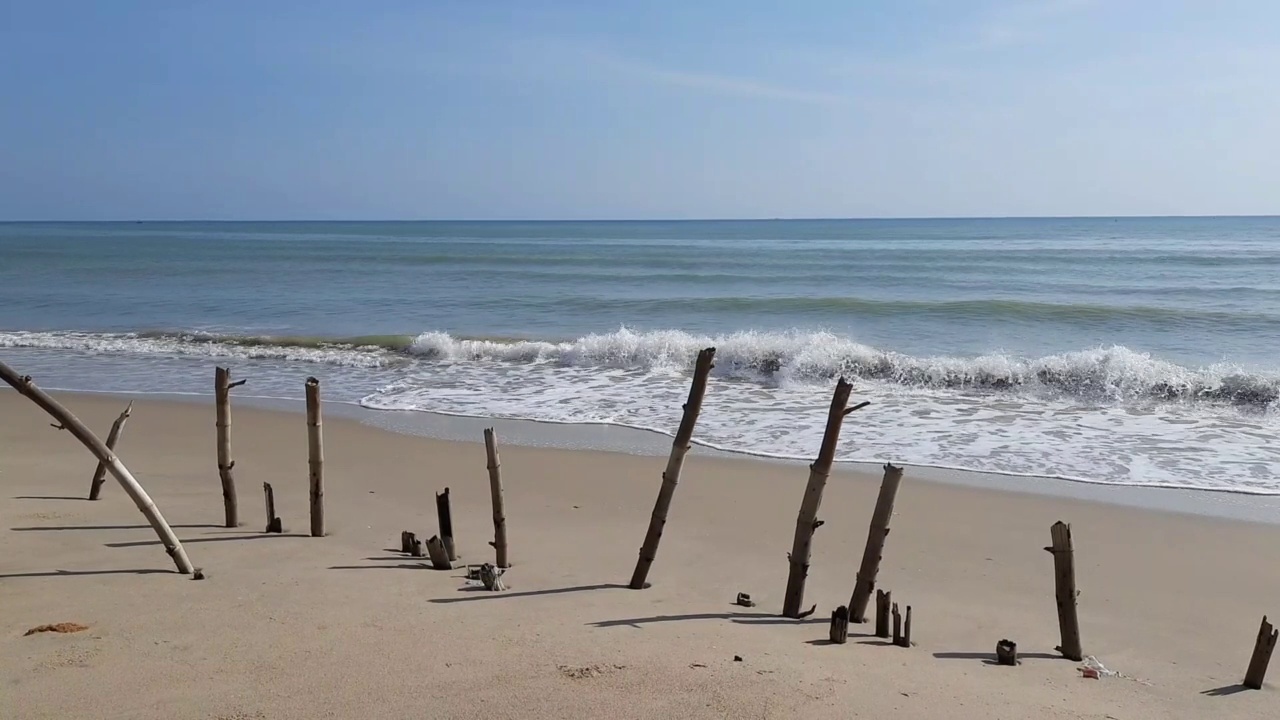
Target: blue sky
x=662, y=109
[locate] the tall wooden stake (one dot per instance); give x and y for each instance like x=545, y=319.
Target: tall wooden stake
x=113, y=438
x=866, y=581
x=807, y=521
x=495, y=491
x=222, y=398
x=1064, y=567
x=445, y=515
x=670, y=478
x=1262, y=648
x=67, y=421
x=315, y=457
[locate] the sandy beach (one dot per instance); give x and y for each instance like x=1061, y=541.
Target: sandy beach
x=288, y=626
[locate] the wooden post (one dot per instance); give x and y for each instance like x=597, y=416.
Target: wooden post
x=1262, y=648
x=445, y=515
x=415, y=546
x=897, y=625
x=113, y=438
x=671, y=477
x=840, y=625
x=882, y=613
x=1065, y=585
x=274, y=524
x=406, y=541
x=222, y=398
x=495, y=491
x=866, y=580
x=66, y=421
x=438, y=553
x=1006, y=652
x=807, y=521
x=315, y=457
x=905, y=640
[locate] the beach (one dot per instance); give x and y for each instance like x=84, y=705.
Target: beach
x=290, y=626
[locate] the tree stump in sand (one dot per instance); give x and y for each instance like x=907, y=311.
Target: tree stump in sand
x=438, y=554
x=840, y=625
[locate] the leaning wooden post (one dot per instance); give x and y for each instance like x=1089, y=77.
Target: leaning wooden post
x=222, y=397
x=807, y=521
x=1065, y=585
x=315, y=457
x=495, y=491
x=866, y=581
x=1262, y=648
x=66, y=421
x=113, y=438
x=445, y=515
x=670, y=478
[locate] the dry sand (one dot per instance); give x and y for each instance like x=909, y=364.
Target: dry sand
x=291, y=626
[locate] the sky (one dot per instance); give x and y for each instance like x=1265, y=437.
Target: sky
x=546, y=109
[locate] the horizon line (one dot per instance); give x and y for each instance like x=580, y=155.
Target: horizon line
x=644, y=220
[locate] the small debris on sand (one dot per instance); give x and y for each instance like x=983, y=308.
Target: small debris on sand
x=57, y=628
x=589, y=671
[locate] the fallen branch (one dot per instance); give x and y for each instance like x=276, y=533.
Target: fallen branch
x=24, y=385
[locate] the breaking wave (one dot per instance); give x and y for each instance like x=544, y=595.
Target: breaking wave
x=1106, y=375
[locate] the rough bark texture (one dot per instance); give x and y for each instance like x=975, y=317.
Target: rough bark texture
x=866, y=581
x=222, y=398
x=113, y=439
x=883, y=600
x=69, y=422
x=315, y=457
x=807, y=521
x=1262, y=649
x=671, y=477
x=1065, y=583
x=495, y=491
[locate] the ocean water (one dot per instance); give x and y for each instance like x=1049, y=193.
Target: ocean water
x=1118, y=350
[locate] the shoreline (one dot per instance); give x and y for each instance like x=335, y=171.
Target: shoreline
x=1218, y=503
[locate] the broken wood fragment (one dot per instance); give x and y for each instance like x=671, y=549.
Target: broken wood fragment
x=883, y=599
x=1006, y=652
x=445, y=515
x=113, y=438
x=438, y=554
x=1262, y=648
x=274, y=524
x=840, y=625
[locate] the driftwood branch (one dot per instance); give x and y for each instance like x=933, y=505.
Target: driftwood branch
x=807, y=521
x=495, y=491
x=24, y=385
x=874, y=550
x=113, y=439
x=670, y=478
x=222, y=398
x=857, y=407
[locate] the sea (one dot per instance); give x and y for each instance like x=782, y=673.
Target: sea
x=1122, y=351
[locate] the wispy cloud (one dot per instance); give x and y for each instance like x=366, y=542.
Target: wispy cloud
x=1025, y=22
x=718, y=84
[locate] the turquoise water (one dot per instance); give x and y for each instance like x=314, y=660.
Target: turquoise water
x=1134, y=351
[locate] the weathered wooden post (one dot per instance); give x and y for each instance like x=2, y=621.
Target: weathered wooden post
x=671, y=477
x=840, y=625
x=1262, y=648
x=1065, y=586
x=495, y=491
x=1006, y=652
x=222, y=398
x=274, y=524
x=897, y=625
x=439, y=553
x=905, y=640
x=407, y=539
x=882, y=613
x=66, y=421
x=866, y=580
x=315, y=457
x=445, y=515
x=113, y=438
x=807, y=521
